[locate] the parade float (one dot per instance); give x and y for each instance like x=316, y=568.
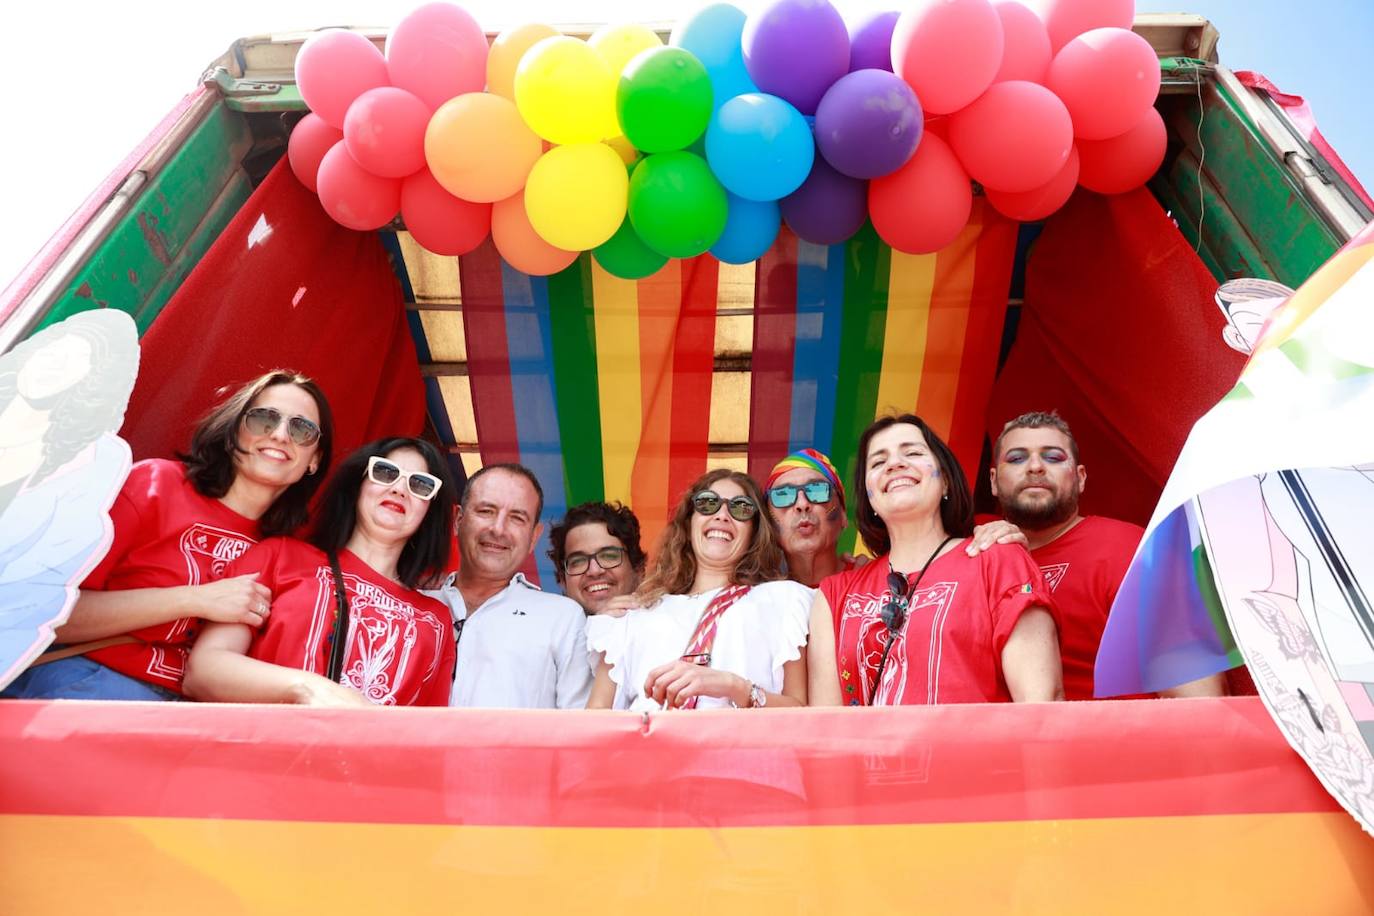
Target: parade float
x=624, y=255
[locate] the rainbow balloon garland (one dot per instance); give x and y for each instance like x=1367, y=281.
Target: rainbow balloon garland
x=640, y=152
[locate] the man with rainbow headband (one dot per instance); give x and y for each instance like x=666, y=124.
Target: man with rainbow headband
x=806, y=499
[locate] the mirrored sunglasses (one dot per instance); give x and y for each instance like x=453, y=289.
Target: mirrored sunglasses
x=785, y=494
x=263, y=421
x=741, y=508
x=384, y=472
x=607, y=558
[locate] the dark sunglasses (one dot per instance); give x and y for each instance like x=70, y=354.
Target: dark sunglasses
x=421, y=485
x=607, y=558
x=785, y=494
x=264, y=421
x=708, y=502
x=894, y=610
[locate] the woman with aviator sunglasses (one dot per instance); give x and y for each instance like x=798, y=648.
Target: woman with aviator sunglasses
x=254, y=463
x=382, y=531
x=718, y=626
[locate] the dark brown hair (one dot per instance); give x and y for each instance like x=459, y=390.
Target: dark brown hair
x=620, y=522
x=675, y=566
x=956, y=512
x=210, y=459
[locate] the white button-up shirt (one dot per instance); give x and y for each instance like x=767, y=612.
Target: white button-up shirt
x=523, y=648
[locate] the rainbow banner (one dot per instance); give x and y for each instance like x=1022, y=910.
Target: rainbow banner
x=604, y=386
x=1126, y=807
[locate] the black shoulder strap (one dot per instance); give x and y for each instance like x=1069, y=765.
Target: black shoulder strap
x=336, y=649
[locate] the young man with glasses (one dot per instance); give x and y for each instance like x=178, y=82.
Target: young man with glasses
x=597, y=554
x=518, y=646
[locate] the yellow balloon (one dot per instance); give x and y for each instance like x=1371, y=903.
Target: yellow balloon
x=506, y=51
x=616, y=44
x=576, y=195
x=565, y=92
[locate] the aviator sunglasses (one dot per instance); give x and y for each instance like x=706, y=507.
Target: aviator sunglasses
x=607, y=558
x=263, y=421
x=784, y=495
x=421, y=485
x=741, y=508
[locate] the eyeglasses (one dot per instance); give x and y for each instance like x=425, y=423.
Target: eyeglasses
x=785, y=494
x=263, y=421
x=384, y=472
x=741, y=508
x=607, y=558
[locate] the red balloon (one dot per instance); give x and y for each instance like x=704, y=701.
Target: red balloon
x=436, y=52
x=1026, y=45
x=1016, y=137
x=333, y=68
x=1121, y=163
x=948, y=51
x=922, y=206
x=1038, y=203
x=440, y=222
x=1065, y=20
x=385, y=132
x=353, y=196
x=1106, y=78
x=311, y=138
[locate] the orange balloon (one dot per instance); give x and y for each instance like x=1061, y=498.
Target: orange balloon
x=520, y=245
x=479, y=148
x=506, y=51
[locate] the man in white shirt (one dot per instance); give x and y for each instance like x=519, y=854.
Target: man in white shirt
x=517, y=645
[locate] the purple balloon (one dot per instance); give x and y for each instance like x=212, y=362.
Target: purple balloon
x=795, y=49
x=870, y=41
x=828, y=208
x=868, y=124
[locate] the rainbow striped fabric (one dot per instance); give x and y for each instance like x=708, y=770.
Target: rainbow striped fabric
x=603, y=386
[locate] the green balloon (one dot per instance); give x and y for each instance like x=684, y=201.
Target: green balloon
x=626, y=256
x=676, y=204
x=664, y=99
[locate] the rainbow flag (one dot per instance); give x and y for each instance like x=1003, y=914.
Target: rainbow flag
x=604, y=386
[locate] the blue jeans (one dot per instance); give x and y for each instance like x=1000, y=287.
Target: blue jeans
x=79, y=678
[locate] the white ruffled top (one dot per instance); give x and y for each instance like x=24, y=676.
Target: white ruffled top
x=755, y=637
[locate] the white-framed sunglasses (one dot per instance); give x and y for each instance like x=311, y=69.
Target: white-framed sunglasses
x=420, y=484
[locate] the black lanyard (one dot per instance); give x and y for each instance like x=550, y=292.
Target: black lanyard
x=894, y=611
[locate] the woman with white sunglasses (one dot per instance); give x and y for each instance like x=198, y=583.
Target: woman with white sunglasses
x=719, y=626
x=254, y=463
x=382, y=531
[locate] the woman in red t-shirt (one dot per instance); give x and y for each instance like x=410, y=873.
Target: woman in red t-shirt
x=254, y=464
x=385, y=517
x=925, y=622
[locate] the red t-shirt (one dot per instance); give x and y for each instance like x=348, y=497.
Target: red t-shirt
x=1084, y=568
x=165, y=534
x=400, y=649
x=950, y=649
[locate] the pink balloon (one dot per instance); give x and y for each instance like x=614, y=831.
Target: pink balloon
x=353, y=196
x=948, y=51
x=440, y=222
x=436, y=52
x=1106, y=78
x=333, y=68
x=1015, y=137
x=1038, y=203
x=385, y=132
x=1125, y=162
x=1025, y=45
x=922, y=206
x=311, y=138
x=1065, y=20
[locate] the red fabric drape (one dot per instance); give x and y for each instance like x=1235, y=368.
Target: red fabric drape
x=1120, y=334
x=283, y=286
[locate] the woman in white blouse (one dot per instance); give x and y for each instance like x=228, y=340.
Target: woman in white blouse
x=718, y=626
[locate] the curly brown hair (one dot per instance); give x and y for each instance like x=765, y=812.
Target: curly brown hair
x=675, y=567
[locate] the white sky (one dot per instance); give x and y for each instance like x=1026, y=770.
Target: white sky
x=85, y=81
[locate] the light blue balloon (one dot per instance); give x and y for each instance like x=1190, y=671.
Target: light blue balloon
x=713, y=35
x=750, y=229
x=759, y=147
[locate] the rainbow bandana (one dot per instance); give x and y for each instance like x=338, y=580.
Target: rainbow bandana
x=807, y=458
